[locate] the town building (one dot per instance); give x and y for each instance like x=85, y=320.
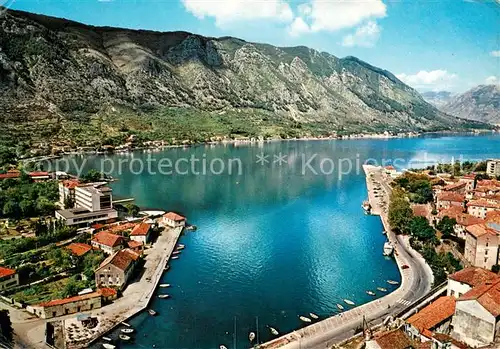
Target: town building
x=393, y=339
x=8, y=278
x=141, y=233
x=466, y=279
x=116, y=270
x=448, y=199
x=493, y=167
x=434, y=318
x=107, y=242
x=477, y=316
x=71, y=305
x=480, y=207
x=469, y=180
x=67, y=190
x=79, y=249
x=481, y=245
x=173, y=220
x=463, y=220
x=458, y=187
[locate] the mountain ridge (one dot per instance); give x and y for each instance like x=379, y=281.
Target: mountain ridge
x=68, y=75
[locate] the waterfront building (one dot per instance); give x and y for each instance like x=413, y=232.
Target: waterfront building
x=477, y=316
x=116, y=270
x=434, y=318
x=481, y=245
x=173, y=220
x=466, y=279
x=94, y=197
x=79, y=249
x=71, y=305
x=8, y=278
x=393, y=339
x=480, y=207
x=446, y=200
x=107, y=242
x=493, y=167
x=135, y=246
x=67, y=190
x=462, y=218
x=141, y=233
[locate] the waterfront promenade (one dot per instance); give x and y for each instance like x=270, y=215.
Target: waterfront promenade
x=415, y=282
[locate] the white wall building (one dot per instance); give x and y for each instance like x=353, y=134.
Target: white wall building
x=8, y=278
x=493, y=167
x=466, y=279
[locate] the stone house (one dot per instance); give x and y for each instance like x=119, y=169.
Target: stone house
x=107, y=242
x=173, y=220
x=116, y=270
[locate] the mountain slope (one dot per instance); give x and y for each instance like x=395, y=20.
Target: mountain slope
x=437, y=99
x=59, y=77
x=482, y=103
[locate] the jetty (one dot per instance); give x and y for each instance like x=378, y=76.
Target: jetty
x=415, y=283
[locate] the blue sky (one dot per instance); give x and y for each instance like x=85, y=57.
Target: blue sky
x=430, y=44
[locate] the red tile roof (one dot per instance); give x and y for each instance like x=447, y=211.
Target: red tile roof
x=444, y=338
x=462, y=218
x=141, y=229
x=435, y=313
x=474, y=276
x=107, y=292
x=121, y=227
x=390, y=168
x=107, y=239
x=10, y=174
x=79, y=249
x=420, y=210
x=174, y=217
x=478, y=230
x=56, y=302
x=71, y=183
x=493, y=217
x=121, y=259
x=455, y=186
x=38, y=174
x=134, y=244
x=395, y=339
x=484, y=203
x=487, y=294
x=6, y=272
x=450, y=196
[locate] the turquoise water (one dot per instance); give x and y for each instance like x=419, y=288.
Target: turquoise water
x=273, y=242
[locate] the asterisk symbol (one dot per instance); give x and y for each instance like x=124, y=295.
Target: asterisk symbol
x=280, y=159
x=262, y=159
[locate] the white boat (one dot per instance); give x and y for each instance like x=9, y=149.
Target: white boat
x=163, y=296
x=127, y=330
x=348, y=302
x=340, y=306
x=384, y=232
x=388, y=248
x=370, y=293
x=107, y=339
x=366, y=206
x=175, y=257
x=314, y=316
x=392, y=282
x=222, y=347
x=167, y=267
x=180, y=246
x=251, y=336
x=305, y=319
x=126, y=324
x=152, y=312
x=124, y=337
x=108, y=346
x=381, y=289
x=164, y=285
x=274, y=331
x=175, y=253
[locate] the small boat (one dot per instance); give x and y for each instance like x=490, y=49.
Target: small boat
x=348, y=302
x=305, y=319
x=340, y=306
x=222, y=347
x=370, y=293
x=152, y=312
x=163, y=296
x=381, y=289
x=388, y=248
x=175, y=253
x=127, y=330
x=251, y=336
x=274, y=331
x=384, y=232
x=126, y=324
x=107, y=339
x=392, y=282
x=108, y=346
x=179, y=247
x=314, y=316
x=124, y=337
x=175, y=257
x=167, y=268
x=164, y=285
x=366, y=206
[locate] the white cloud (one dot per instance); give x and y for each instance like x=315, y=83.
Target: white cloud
x=298, y=27
x=304, y=9
x=227, y=11
x=491, y=80
x=364, y=36
x=495, y=53
x=434, y=79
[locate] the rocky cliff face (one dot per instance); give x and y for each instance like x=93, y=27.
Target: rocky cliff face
x=482, y=103
x=54, y=72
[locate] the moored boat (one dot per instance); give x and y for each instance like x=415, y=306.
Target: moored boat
x=175, y=257
x=388, y=248
x=370, y=293
x=152, y=312
x=314, y=316
x=163, y=296
x=167, y=267
x=124, y=337
x=305, y=319
x=164, y=285
x=347, y=301
x=251, y=336
x=127, y=330
x=108, y=346
x=366, y=206
x=340, y=306
x=107, y=339
x=392, y=282
x=274, y=331
x=175, y=253
x=381, y=289
x=222, y=347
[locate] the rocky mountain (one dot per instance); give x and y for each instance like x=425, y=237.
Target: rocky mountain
x=66, y=81
x=438, y=98
x=482, y=103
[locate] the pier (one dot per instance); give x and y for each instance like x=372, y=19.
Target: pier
x=415, y=283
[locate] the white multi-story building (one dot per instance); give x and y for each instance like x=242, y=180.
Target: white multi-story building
x=482, y=245
x=93, y=197
x=493, y=167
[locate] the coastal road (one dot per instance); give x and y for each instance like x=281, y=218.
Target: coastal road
x=416, y=283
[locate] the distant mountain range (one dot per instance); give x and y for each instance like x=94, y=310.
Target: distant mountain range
x=437, y=99
x=72, y=83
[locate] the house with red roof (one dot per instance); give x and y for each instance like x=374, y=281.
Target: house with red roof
x=482, y=245
x=448, y=199
x=481, y=207
x=466, y=279
x=477, y=315
x=38, y=176
x=78, y=249
x=65, y=306
x=107, y=242
x=67, y=190
x=462, y=218
x=392, y=339
x=10, y=174
x=141, y=233
x=8, y=278
x=116, y=270
x=173, y=220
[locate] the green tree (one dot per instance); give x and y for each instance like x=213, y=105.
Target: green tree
x=447, y=226
x=69, y=202
x=71, y=289
x=420, y=229
x=91, y=176
x=6, y=330
x=400, y=212
x=132, y=210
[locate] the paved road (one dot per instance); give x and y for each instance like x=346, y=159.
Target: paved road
x=416, y=282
